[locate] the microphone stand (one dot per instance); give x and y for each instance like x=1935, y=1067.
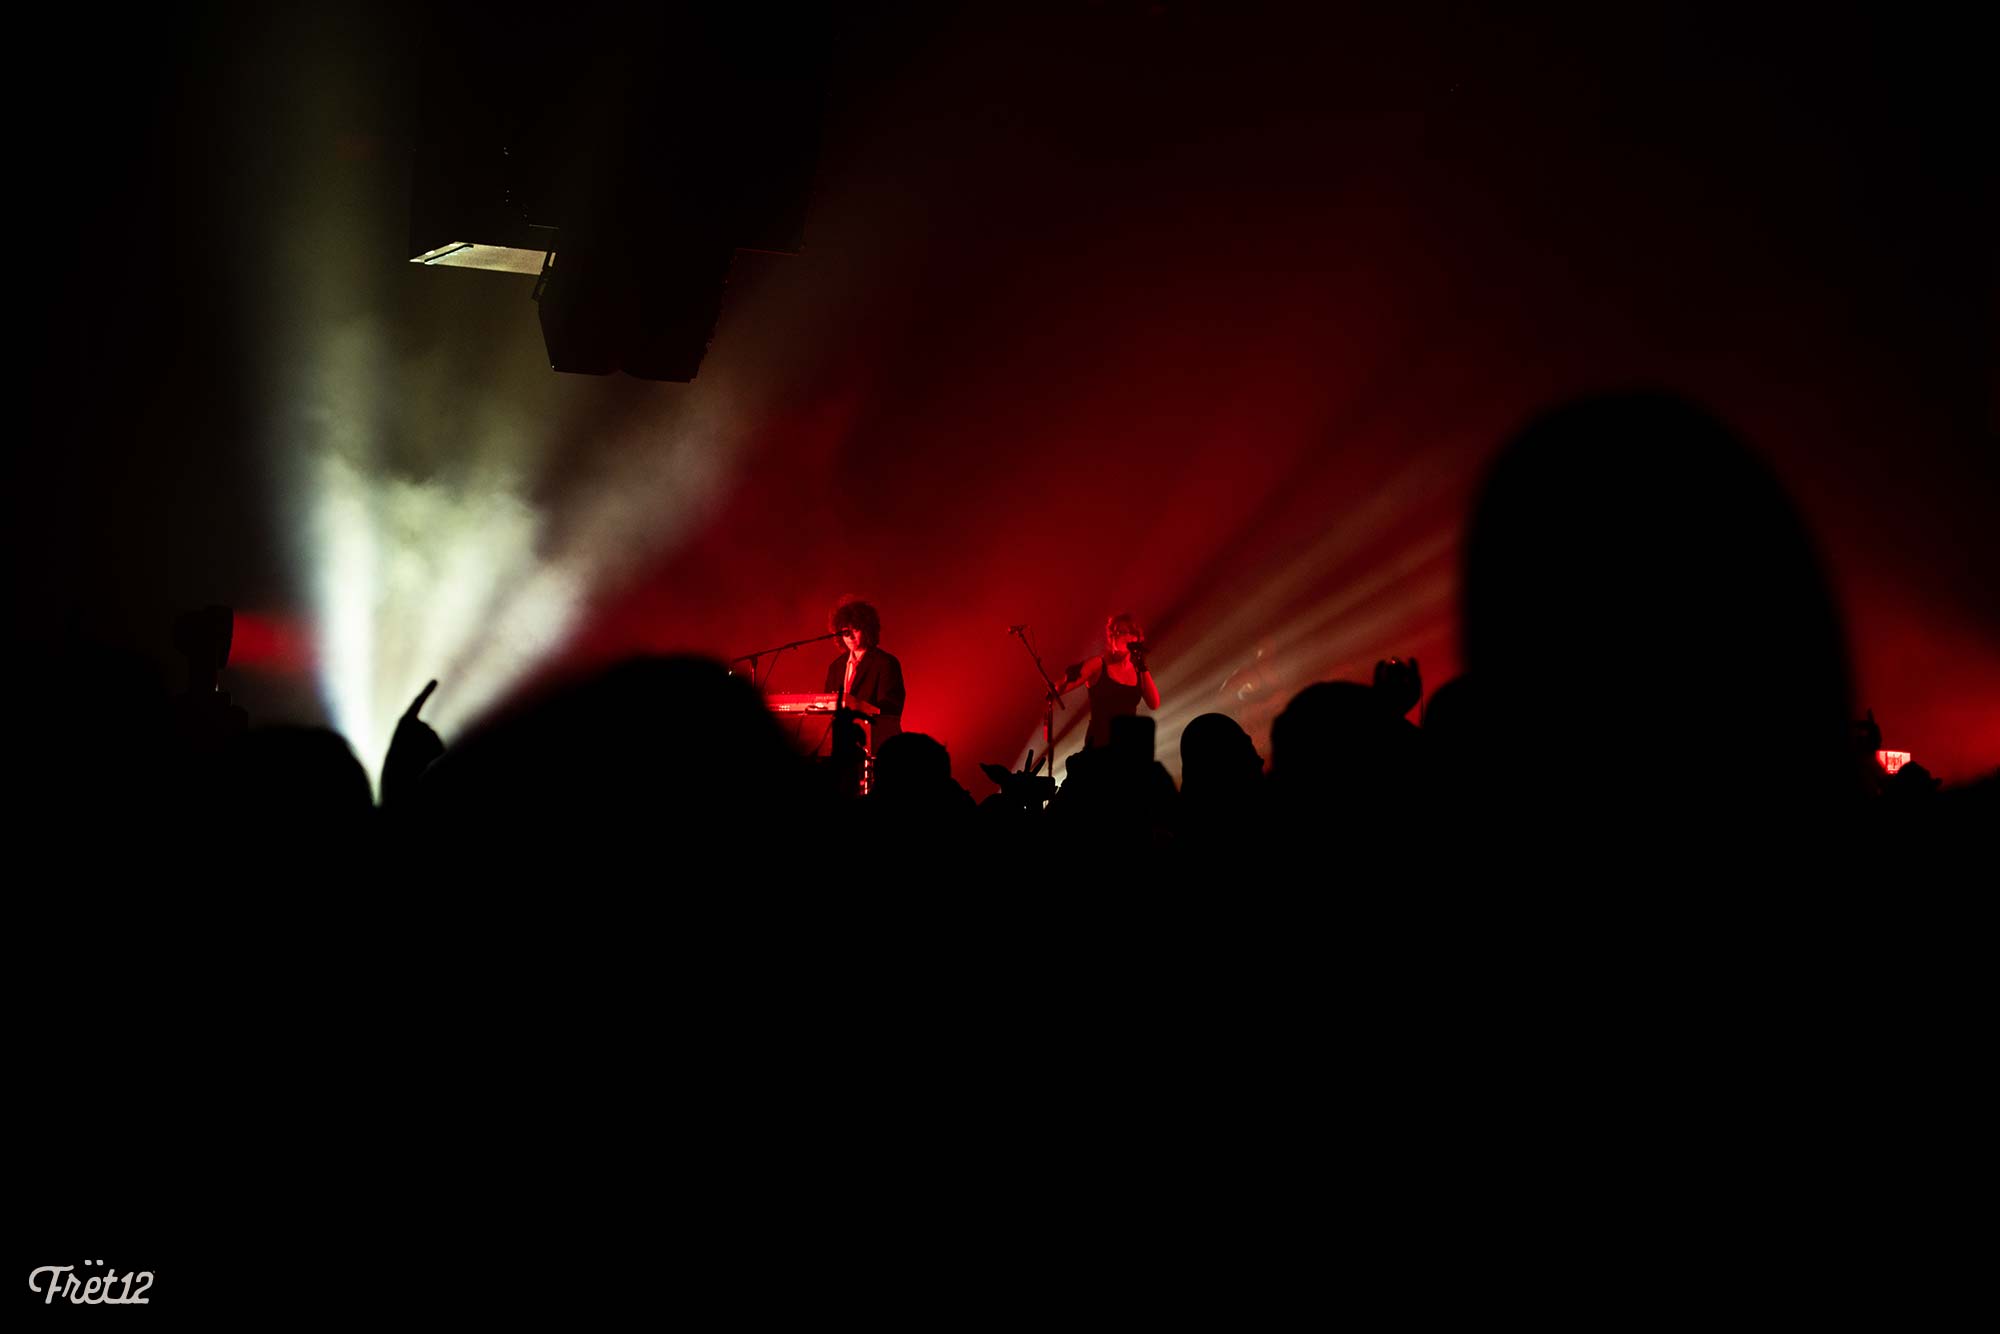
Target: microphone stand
x=841, y=736
x=1050, y=702
x=752, y=658
x=772, y=653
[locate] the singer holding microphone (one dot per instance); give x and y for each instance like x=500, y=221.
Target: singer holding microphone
x=1117, y=679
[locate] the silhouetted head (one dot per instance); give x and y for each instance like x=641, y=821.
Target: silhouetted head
x=910, y=762
x=1339, y=734
x=653, y=755
x=1452, y=711
x=202, y=637
x=1641, y=600
x=1911, y=783
x=1217, y=753
x=286, y=779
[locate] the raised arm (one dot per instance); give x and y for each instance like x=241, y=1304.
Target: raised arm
x=1081, y=676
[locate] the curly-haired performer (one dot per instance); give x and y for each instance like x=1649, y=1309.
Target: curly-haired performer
x=864, y=672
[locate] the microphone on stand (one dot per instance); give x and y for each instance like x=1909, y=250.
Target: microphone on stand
x=1017, y=629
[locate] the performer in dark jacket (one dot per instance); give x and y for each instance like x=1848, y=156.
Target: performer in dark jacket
x=869, y=675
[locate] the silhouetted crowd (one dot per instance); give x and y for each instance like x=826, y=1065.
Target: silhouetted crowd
x=1623, y=926
x=1655, y=685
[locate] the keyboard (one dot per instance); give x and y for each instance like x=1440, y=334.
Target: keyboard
x=817, y=704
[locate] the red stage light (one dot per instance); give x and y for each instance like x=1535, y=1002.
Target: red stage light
x=263, y=643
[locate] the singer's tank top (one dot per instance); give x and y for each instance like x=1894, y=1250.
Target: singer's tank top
x=1109, y=699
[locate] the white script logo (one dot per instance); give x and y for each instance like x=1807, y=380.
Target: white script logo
x=94, y=1290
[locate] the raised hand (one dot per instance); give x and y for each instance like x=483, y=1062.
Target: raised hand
x=1028, y=789
x=1868, y=735
x=1399, y=683
x=411, y=751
